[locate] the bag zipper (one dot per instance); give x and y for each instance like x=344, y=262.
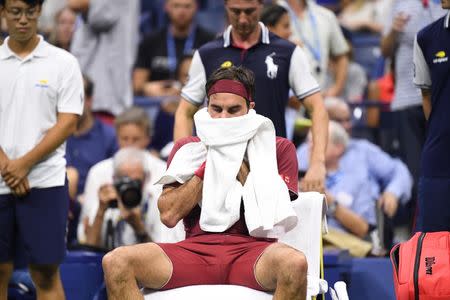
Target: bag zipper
x=417, y=265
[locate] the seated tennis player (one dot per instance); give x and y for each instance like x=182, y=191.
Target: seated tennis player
x=232, y=186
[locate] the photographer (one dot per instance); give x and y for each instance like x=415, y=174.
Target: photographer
x=122, y=213
x=133, y=128
x=122, y=217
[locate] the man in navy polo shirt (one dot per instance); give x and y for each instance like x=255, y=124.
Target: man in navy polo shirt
x=432, y=75
x=278, y=65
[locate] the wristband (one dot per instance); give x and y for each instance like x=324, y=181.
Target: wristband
x=200, y=172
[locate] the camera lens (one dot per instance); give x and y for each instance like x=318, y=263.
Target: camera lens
x=130, y=191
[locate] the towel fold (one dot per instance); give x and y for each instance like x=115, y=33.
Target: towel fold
x=224, y=143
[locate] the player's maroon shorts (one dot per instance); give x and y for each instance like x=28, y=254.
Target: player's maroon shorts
x=215, y=259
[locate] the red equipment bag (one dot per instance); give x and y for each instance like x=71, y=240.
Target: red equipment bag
x=421, y=267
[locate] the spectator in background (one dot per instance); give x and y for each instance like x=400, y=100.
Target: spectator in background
x=41, y=99
x=407, y=18
x=93, y=141
x=62, y=32
x=359, y=178
x=318, y=29
x=356, y=84
x=278, y=66
x=47, y=19
x=105, y=43
x=432, y=76
x=384, y=179
x=133, y=128
x=277, y=20
x=165, y=118
x=361, y=16
x=127, y=212
x=160, y=52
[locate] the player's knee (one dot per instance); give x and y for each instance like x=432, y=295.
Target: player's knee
x=294, y=268
x=45, y=277
x=115, y=262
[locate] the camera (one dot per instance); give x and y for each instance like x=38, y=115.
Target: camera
x=130, y=191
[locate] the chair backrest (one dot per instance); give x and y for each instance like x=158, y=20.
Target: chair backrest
x=307, y=235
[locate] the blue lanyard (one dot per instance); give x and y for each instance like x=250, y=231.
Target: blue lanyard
x=314, y=49
x=172, y=51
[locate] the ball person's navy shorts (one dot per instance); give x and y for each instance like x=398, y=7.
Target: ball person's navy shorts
x=39, y=220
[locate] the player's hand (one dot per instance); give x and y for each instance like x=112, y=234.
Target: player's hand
x=15, y=172
x=243, y=172
x=389, y=203
x=314, y=179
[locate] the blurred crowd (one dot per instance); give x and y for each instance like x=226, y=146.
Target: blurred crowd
x=135, y=57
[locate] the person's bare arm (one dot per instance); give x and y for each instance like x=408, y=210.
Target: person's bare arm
x=3, y=159
x=389, y=42
x=184, y=119
x=176, y=202
x=426, y=102
x=140, y=77
x=17, y=169
x=106, y=194
x=350, y=220
x=341, y=62
x=79, y=6
x=73, y=178
x=23, y=187
x=314, y=179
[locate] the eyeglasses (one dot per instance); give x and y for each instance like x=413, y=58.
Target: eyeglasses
x=16, y=14
x=247, y=11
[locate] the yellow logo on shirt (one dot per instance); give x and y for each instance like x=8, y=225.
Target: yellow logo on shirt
x=441, y=57
x=440, y=54
x=43, y=83
x=226, y=64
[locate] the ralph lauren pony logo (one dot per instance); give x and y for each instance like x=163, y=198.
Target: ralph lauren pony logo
x=272, y=68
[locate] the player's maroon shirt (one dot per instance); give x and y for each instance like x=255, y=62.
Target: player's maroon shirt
x=287, y=168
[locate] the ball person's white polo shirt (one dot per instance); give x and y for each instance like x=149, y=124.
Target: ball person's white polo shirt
x=33, y=90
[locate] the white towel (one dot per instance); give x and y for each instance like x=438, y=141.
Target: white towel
x=268, y=210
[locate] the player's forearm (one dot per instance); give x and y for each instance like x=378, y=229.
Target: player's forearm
x=65, y=126
x=177, y=202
